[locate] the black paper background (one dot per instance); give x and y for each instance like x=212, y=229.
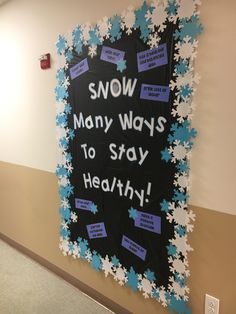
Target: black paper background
x=113, y=209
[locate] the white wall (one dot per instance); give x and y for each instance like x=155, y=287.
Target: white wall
x=27, y=112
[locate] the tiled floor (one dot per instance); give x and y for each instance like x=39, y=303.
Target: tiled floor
x=28, y=288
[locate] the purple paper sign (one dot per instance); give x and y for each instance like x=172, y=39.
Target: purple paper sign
x=148, y=222
x=155, y=92
x=152, y=58
x=112, y=55
x=79, y=69
x=134, y=247
x=83, y=204
x=96, y=230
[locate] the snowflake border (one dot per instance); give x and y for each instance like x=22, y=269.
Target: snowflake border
x=150, y=19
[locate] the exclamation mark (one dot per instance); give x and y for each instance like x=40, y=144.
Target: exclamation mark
x=148, y=191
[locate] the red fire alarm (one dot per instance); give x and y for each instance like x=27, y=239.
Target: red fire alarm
x=45, y=62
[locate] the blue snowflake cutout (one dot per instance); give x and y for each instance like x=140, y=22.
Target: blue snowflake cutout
x=141, y=21
x=133, y=213
x=189, y=27
x=115, y=261
x=61, y=45
x=183, y=166
x=93, y=208
x=121, y=65
x=165, y=155
x=94, y=37
x=77, y=39
x=150, y=275
x=181, y=67
x=61, y=76
x=61, y=93
x=83, y=245
x=172, y=7
x=132, y=279
x=171, y=249
x=65, y=213
x=182, y=133
x=164, y=206
x=179, y=306
x=115, y=31
x=96, y=261
x=61, y=120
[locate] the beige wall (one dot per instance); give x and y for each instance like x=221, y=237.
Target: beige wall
x=27, y=116
x=28, y=197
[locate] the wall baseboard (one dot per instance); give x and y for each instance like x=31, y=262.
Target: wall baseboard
x=92, y=293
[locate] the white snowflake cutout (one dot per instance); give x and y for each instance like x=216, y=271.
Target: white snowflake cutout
x=107, y=266
x=60, y=107
x=85, y=36
x=92, y=51
x=88, y=256
x=186, y=49
x=182, y=109
x=181, y=244
x=145, y=286
x=154, y=40
x=61, y=62
x=158, y=16
x=128, y=20
x=179, y=266
x=180, y=292
x=120, y=275
x=64, y=246
x=73, y=217
x=64, y=181
x=179, y=151
x=76, y=251
x=181, y=181
x=187, y=8
x=103, y=27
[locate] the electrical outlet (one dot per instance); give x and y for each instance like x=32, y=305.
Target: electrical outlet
x=212, y=305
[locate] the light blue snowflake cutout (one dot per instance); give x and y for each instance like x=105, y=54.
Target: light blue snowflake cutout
x=182, y=67
x=185, y=91
x=150, y=275
x=164, y=206
x=93, y=208
x=77, y=39
x=115, y=261
x=65, y=213
x=133, y=281
x=61, y=120
x=172, y=7
x=66, y=191
x=61, y=45
x=61, y=171
x=171, y=250
x=68, y=109
x=121, y=65
x=61, y=76
x=183, y=166
x=182, y=133
x=115, y=31
x=141, y=21
x=179, y=306
x=191, y=28
x=180, y=196
x=83, y=245
x=96, y=261
x=165, y=155
x=61, y=93
x=133, y=213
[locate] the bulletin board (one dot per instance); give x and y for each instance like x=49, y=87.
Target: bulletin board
x=124, y=110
